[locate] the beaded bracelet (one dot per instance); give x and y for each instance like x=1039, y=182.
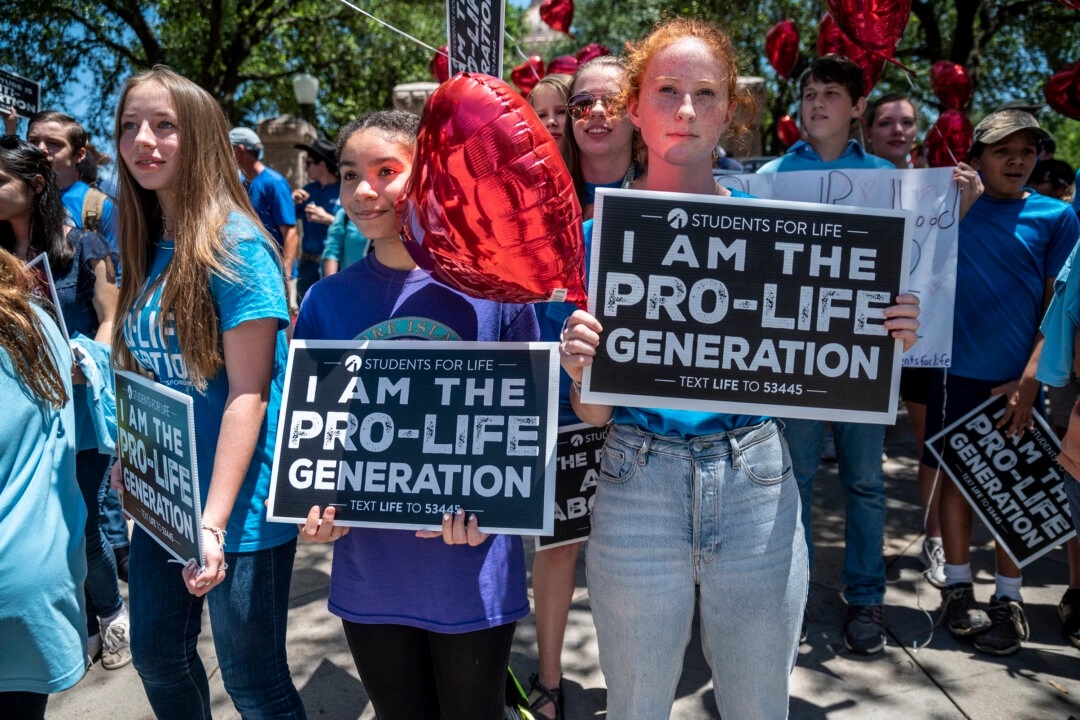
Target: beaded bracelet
x=217, y=532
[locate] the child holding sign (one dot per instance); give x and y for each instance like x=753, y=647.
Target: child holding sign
x=429, y=623
x=692, y=504
x=203, y=311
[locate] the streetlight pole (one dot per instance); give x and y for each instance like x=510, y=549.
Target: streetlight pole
x=306, y=90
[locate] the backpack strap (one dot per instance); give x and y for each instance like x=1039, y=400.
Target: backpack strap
x=92, y=209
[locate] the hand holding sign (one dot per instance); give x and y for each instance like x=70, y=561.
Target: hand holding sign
x=320, y=528
x=456, y=532
x=1019, y=398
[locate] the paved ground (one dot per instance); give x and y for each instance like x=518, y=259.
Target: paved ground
x=923, y=674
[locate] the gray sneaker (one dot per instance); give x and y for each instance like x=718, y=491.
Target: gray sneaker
x=864, y=632
x=116, y=646
x=933, y=558
x=1008, y=628
x=960, y=612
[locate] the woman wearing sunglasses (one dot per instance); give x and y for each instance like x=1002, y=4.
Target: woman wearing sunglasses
x=601, y=144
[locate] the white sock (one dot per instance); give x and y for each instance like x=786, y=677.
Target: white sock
x=958, y=574
x=120, y=614
x=1008, y=587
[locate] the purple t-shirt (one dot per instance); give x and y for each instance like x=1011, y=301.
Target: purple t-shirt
x=391, y=576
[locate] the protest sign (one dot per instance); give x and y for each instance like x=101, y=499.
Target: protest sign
x=475, y=36
x=21, y=93
x=396, y=433
x=745, y=306
x=1013, y=484
x=41, y=264
x=155, y=441
x=934, y=198
x=577, y=464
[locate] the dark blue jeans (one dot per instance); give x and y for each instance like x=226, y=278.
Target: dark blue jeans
x=102, y=588
x=248, y=614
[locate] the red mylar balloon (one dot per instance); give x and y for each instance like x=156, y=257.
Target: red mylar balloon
x=590, y=51
x=563, y=65
x=490, y=207
x=832, y=40
x=1071, y=4
x=782, y=47
x=951, y=84
x=558, y=14
x=788, y=131
x=1063, y=91
x=527, y=74
x=439, y=67
x=949, y=139
x=873, y=25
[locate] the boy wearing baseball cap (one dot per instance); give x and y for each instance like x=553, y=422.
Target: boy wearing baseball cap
x=1012, y=243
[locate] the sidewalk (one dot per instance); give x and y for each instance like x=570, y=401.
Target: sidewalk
x=924, y=672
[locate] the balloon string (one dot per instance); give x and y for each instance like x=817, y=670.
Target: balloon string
x=522, y=54
x=419, y=42
x=945, y=142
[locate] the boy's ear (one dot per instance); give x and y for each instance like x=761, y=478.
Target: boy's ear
x=631, y=112
x=859, y=108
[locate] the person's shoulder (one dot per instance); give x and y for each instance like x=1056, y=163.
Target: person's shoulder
x=273, y=177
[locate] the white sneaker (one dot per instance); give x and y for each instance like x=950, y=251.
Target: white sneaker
x=933, y=557
x=93, y=649
x=116, y=651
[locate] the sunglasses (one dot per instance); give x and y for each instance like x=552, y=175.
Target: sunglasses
x=312, y=161
x=582, y=104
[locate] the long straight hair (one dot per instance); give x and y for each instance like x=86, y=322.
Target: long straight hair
x=23, y=337
x=26, y=163
x=209, y=190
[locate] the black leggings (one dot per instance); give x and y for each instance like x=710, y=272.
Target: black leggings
x=414, y=674
x=18, y=705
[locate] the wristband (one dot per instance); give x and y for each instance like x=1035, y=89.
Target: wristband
x=218, y=533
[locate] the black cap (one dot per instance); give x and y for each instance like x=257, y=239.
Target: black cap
x=322, y=149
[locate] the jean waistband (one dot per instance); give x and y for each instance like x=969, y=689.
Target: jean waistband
x=722, y=443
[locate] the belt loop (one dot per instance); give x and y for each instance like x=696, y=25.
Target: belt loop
x=643, y=451
x=736, y=451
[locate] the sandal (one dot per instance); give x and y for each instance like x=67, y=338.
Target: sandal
x=539, y=696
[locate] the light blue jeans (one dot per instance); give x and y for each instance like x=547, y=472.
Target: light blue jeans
x=716, y=516
x=858, y=454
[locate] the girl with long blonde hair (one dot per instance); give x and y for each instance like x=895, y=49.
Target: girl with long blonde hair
x=203, y=312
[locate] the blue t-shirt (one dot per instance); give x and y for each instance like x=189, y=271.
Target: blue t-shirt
x=326, y=197
x=73, y=198
x=256, y=292
x=801, y=156
x=344, y=242
x=391, y=576
x=1007, y=250
x=42, y=514
x=271, y=197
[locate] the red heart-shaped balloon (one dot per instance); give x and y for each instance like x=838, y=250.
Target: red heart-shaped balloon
x=832, y=40
x=590, y=51
x=490, y=207
x=558, y=14
x=788, y=131
x=874, y=25
x=782, y=47
x=563, y=65
x=1071, y=4
x=951, y=84
x=527, y=74
x=1063, y=91
x=949, y=139
x=439, y=67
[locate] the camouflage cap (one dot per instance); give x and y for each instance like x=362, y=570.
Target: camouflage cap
x=1003, y=123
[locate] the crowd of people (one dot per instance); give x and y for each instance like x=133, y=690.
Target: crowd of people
x=222, y=262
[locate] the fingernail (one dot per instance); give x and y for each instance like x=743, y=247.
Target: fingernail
x=472, y=518
x=459, y=511
x=445, y=517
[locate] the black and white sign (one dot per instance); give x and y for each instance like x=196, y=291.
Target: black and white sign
x=22, y=93
x=577, y=464
x=1014, y=484
x=155, y=441
x=396, y=433
x=475, y=35
x=745, y=306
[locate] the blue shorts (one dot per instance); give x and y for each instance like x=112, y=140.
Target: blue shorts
x=951, y=397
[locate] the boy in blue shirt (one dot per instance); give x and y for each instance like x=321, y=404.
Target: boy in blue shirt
x=832, y=98
x=1012, y=243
